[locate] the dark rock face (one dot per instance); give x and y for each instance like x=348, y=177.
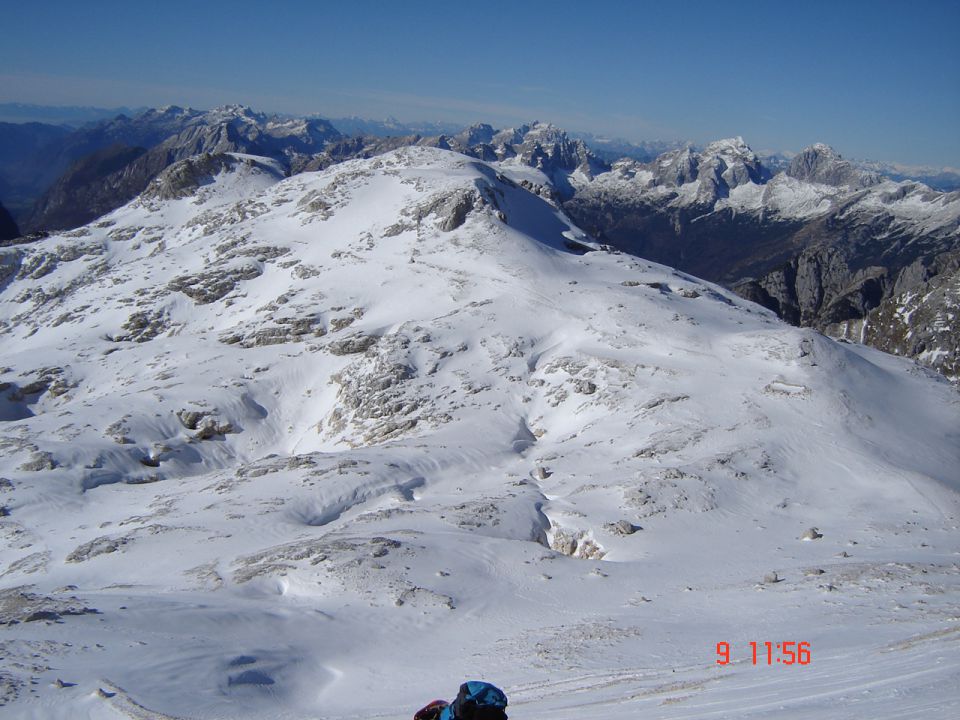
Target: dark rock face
x=106, y=180
x=8, y=228
x=918, y=322
x=847, y=266
x=33, y=156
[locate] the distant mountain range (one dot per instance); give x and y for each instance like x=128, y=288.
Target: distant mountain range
x=70, y=115
x=823, y=241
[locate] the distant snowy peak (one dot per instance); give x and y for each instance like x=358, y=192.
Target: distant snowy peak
x=170, y=112
x=172, y=133
x=728, y=175
x=476, y=134
x=674, y=168
x=724, y=165
x=542, y=146
x=302, y=135
x=226, y=113
x=550, y=149
x=821, y=242
x=730, y=149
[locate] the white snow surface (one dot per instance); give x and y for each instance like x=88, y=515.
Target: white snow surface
x=419, y=482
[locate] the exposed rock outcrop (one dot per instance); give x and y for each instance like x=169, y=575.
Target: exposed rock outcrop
x=822, y=164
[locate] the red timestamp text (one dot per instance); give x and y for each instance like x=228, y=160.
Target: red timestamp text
x=789, y=652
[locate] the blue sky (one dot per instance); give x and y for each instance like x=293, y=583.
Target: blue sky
x=878, y=80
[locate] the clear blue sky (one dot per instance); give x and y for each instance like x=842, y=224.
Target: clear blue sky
x=877, y=80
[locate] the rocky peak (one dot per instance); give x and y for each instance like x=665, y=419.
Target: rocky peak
x=674, y=168
x=720, y=167
x=733, y=148
x=511, y=136
x=169, y=111
x=822, y=164
x=548, y=148
x=733, y=162
x=477, y=134
x=542, y=133
x=241, y=113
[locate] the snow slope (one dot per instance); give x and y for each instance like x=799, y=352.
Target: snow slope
x=326, y=446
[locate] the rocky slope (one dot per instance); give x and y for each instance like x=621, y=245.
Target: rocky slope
x=921, y=322
x=286, y=446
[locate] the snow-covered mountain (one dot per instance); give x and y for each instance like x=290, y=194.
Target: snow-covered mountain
x=819, y=239
x=114, y=161
x=328, y=445
x=822, y=242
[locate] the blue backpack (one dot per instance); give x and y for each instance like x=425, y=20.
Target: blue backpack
x=477, y=701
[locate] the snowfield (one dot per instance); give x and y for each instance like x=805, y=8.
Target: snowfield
x=327, y=446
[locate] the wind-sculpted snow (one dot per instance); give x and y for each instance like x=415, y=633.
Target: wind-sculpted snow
x=327, y=446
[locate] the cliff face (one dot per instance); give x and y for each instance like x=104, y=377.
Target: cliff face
x=920, y=322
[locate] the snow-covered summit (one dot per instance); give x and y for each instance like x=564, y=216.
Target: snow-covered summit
x=733, y=148
x=273, y=445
